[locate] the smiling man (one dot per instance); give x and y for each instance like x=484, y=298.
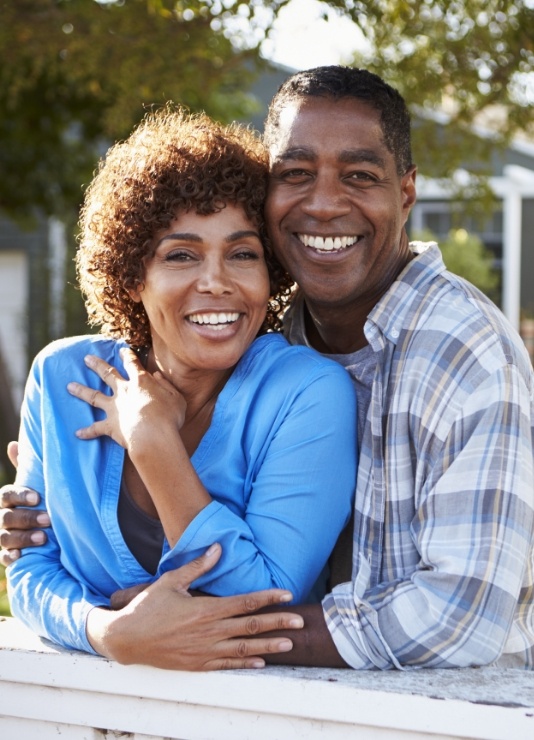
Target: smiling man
x=441, y=569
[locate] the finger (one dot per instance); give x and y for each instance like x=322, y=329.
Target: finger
x=246, y=653
x=16, y=539
x=13, y=453
x=132, y=363
x=257, y=624
x=12, y=495
x=97, y=429
x=8, y=556
x=183, y=577
x=89, y=395
x=103, y=369
x=21, y=518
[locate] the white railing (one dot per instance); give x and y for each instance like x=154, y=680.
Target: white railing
x=50, y=693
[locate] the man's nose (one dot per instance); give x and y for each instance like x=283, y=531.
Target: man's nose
x=326, y=199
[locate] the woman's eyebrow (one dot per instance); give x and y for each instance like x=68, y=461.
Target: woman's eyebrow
x=241, y=234
x=181, y=236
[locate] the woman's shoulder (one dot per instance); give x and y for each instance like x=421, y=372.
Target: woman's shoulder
x=74, y=349
x=275, y=354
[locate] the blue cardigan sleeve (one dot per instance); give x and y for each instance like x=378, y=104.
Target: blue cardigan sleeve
x=42, y=593
x=300, y=501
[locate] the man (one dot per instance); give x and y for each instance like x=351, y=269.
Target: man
x=443, y=556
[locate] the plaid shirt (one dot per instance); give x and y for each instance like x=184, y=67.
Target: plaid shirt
x=443, y=556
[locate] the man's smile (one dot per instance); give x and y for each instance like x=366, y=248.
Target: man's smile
x=328, y=243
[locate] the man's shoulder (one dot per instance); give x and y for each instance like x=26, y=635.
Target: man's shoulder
x=462, y=324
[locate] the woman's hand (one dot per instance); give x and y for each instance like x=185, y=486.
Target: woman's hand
x=138, y=405
x=164, y=627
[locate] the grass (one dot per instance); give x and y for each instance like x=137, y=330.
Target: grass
x=4, y=604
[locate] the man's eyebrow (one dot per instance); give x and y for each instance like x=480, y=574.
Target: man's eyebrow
x=359, y=156
x=348, y=156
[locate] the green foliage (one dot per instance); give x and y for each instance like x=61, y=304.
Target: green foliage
x=76, y=75
x=465, y=255
x=470, y=58
x=4, y=603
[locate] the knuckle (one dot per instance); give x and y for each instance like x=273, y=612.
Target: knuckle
x=253, y=626
x=241, y=649
x=250, y=603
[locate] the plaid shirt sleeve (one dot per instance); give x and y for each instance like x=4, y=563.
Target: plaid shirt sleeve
x=473, y=528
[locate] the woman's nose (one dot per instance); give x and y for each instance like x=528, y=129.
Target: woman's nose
x=214, y=278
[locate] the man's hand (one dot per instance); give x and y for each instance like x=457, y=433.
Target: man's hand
x=165, y=627
x=19, y=527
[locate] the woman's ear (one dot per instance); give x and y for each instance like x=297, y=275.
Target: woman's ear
x=135, y=293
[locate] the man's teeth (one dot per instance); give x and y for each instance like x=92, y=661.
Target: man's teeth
x=328, y=244
x=215, y=320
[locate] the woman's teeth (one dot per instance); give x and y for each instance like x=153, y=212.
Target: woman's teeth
x=214, y=320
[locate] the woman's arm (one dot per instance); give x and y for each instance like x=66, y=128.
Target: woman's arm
x=300, y=497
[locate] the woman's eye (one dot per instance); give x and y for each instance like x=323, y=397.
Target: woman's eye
x=178, y=256
x=246, y=254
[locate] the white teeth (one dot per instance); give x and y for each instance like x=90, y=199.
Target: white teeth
x=327, y=244
x=217, y=320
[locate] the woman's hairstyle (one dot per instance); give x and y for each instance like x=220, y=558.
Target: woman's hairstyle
x=173, y=162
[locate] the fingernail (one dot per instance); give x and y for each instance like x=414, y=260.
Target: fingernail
x=43, y=519
x=257, y=664
x=71, y=387
x=37, y=538
x=285, y=646
x=88, y=359
x=32, y=498
x=13, y=554
x=296, y=622
x=286, y=597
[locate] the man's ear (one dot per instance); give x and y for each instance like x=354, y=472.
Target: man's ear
x=409, y=194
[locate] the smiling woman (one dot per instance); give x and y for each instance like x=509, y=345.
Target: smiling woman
x=188, y=421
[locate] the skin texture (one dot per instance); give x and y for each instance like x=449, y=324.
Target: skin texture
x=332, y=176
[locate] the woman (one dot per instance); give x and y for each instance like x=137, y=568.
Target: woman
x=223, y=432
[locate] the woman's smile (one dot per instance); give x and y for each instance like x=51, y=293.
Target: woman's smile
x=205, y=290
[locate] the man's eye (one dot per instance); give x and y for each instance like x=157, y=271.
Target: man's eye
x=294, y=175
x=362, y=178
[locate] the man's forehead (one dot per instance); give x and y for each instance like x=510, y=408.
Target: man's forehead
x=350, y=129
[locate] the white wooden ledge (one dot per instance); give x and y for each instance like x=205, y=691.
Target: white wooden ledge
x=46, y=692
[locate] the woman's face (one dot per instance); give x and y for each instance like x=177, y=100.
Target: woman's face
x=205, y=290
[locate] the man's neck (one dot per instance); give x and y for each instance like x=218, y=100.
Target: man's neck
x=335, y=332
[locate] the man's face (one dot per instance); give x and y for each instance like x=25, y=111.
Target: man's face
x=336, y=207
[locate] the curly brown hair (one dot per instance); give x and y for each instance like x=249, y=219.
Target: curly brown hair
x=173, y=162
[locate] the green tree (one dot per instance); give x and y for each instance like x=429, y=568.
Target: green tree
x=472, y=59
x=465, y=255
x=77, y=74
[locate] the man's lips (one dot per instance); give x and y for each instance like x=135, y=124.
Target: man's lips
x=328, y=243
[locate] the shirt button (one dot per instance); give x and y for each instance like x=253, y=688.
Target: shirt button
x=394, y=333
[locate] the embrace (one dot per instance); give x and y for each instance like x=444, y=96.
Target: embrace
x=224, y=456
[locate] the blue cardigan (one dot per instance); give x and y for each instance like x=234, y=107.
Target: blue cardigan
x=279, y=460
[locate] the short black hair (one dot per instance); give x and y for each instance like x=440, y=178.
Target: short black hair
x=337, y=82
